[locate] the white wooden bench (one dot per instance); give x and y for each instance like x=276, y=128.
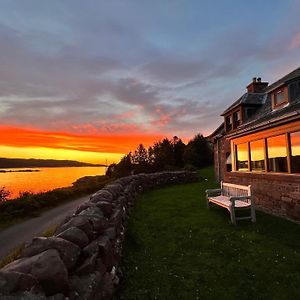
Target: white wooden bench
x=233, y=197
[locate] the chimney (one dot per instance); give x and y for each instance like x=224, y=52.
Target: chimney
x=257, y=86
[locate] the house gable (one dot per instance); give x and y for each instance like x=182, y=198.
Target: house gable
x=264, y=146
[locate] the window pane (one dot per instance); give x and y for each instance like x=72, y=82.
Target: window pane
x=257, y=155
x=279, y=97
x=236, y=119
x=228, y=123
x=295, y=147
x=277, y=154
x=242, y=157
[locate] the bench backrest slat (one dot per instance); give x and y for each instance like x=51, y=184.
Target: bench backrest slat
x=229, y=189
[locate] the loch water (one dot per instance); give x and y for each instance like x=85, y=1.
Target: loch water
x=45, y=179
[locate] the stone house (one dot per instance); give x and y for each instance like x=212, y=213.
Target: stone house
x=259, y=144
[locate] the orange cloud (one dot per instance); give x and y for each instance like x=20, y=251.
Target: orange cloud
x=116, y=143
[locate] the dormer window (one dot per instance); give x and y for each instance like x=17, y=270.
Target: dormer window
x=280, y=98
x=228, y=121
x=236, y=119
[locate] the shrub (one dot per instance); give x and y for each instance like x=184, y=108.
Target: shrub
x=4, y=194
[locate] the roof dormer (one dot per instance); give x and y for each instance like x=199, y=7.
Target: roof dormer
x=242, y=109
x=280, y=97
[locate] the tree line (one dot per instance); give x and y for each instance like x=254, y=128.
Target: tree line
x=168, y=154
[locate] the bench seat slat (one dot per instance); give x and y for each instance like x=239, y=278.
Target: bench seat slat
x=225, y=202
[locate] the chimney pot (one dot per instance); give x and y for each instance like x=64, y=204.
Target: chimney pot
x=257, y=86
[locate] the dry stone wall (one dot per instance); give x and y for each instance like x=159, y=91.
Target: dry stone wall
x=81, y=260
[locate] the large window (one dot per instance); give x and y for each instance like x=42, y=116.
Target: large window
x=280, y=154
x=295, y=152
x=277, y=153
x=257, y=155
x=242, y=157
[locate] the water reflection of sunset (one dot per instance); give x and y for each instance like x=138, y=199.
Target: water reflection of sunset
x=295, y=143
x=277, y=146
x=46, y=179
x=242, y=152
x=257, y=150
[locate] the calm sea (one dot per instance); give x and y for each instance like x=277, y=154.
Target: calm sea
x=46, y=179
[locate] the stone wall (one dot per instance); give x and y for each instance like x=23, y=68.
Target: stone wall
x=81, y=260
x=277, y=194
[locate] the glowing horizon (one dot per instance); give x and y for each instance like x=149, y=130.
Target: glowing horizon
x=28, y=143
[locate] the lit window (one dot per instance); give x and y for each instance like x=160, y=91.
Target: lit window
x=257, y=155
x=277, y=154
x=279, y=97
x=242, y=157
x=295, y=152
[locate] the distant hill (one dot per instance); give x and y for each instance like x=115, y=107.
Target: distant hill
x=40, y=163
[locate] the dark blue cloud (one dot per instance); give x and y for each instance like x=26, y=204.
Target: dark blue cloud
x=174, y=65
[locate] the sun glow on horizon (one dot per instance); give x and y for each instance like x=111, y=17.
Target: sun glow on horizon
x=30, y=143
x=60, y=154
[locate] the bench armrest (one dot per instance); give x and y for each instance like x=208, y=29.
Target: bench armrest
x=213, y=191
x=232, y=199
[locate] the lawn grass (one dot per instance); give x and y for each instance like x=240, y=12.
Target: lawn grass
x=177, y=249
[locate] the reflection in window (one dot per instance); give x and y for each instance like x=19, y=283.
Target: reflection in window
x=228, y=162
x=279, y=97
x=295, y=152
x=257, y=155
x=228, y=123
x=236, y=119
x=277, y=154
x=242, y=157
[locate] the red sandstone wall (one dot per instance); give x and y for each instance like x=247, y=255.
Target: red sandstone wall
x=224, y=146
x=274, y=193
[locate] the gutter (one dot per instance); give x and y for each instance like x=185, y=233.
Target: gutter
x=265, y=125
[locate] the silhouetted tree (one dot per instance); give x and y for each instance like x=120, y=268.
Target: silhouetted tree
x=124, y=167
x=178, y=149
x=198, y=152
x=110, y=170
x=163, y=155
x=4, y=194
x=140, y=159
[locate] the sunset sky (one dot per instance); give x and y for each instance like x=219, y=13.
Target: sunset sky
x=90, y=80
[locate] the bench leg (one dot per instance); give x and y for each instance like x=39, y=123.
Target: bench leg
x=253, y=214
x=232, y=215
x=207, y=202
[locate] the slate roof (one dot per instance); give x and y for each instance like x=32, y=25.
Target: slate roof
x=247, y=98
x=266, y=116
x=220, y=131
x=289, y=77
